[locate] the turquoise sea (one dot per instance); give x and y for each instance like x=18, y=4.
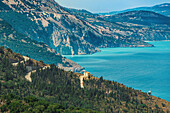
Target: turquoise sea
x=141, y=68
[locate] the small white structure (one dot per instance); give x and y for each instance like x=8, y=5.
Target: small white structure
x=81, y=82
x=86, y=74
x=149, y=92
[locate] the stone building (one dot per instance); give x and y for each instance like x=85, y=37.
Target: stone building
x=86, y=74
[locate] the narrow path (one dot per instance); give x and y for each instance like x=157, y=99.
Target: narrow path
x=81, y=81
x=85, y=75
x=28, y=75
x=25, y=59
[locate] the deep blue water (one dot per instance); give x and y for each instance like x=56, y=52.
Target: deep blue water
x=141, y=68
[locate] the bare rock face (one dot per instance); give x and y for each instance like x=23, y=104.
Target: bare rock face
x=47, y=22
x=66, y=31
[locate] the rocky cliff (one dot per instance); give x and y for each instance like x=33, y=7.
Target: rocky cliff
x=47, y=22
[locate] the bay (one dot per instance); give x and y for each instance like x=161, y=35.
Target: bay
x=140, y=68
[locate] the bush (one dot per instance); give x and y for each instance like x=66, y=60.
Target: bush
x=9, y=50
x=156, y=106
x=125, y=110
x=41, y=61
x=163, y=105
x=29, y=99
x=142, y=105
x=3, y=108
x=16, y=107
x=146, y=98
x=2, y=50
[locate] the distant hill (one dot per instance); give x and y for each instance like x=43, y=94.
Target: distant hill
x=140, y=17
x=150, y=25
x=78, y=10
x=163, y=9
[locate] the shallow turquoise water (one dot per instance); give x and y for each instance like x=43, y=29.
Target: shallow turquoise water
x=141, y=68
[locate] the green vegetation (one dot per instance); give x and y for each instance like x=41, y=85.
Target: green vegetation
x=56, y=90
x=31, y=104
x=26, y=46
x=12, y=83
x=163, y=105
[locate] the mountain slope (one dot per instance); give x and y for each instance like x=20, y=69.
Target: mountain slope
x=59, y=28
x=16, y=104
x=46, y=21
x=36, y=50
x=163, y=9
x=140, y=17
x=149, y=25
x=115, y=34
x=58, y=86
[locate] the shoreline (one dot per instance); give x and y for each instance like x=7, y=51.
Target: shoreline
x=134, y=89
x=109, y=48
x=115, y=47
x=114, y=79
x=158, y=41
x=121, y=47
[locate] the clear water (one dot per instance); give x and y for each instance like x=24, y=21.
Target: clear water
x=141, y=68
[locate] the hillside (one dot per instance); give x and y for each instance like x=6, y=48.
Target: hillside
x=63, y=30
x=140, y=17
x=15, y=104
x=149, y=25
x=10, y=38
x=62, y=87
x=48, y=22
x=163, y=9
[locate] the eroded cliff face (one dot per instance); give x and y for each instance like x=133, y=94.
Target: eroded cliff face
x=46, y=21
x=64, y=31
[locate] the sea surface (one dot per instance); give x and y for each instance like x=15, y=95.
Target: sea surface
x=140, y=68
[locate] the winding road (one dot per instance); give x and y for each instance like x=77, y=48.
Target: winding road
x=28, y=75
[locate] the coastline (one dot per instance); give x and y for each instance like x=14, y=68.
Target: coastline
x=108, y=74
x=158, y=41
x=147, y=100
